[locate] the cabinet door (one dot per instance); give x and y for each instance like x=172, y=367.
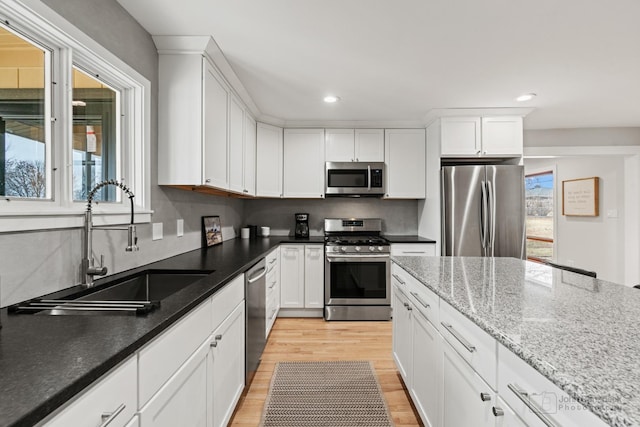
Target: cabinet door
x=226, y=359
x=236, y=145
x=369, y=145
x=462, y=404
x=426, y=370
x=402, y=335
x=313, y=276
x=214, y=107
x=303, y=163
x=269, y=161
x=181, y=401
x=292, y=276
x=413, y=249
x=405, y=157
x=460, y=136
x=249, y=166
x=339, y=145
x=502, y=136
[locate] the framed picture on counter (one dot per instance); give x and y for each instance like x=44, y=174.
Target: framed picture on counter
x=211, y=230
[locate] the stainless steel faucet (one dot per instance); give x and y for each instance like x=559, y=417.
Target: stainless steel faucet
x=88, y=266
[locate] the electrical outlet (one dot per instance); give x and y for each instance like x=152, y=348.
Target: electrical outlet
x=180, y=227
x=157, y=231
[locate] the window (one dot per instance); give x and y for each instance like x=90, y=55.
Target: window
x=539, y=204
x=24, y=117
x=72, y=114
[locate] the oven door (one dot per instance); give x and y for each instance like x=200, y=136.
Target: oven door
x=357, y=279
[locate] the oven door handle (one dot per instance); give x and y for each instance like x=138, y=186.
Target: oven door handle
x=347, y=257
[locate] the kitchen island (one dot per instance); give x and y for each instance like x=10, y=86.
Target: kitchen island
x=580, y=333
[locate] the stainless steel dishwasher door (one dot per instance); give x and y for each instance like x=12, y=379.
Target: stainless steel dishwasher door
x=255, y=291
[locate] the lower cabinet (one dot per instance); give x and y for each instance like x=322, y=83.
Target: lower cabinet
x=426, y=370
x=314, y=276
x=402, y=335
x=301, y=276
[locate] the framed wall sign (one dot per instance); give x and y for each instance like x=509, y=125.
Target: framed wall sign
x=211, y=230
x=580, y=197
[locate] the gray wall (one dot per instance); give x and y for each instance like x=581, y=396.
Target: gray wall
x=34, y=263
x=399, y=216
x=582, y=137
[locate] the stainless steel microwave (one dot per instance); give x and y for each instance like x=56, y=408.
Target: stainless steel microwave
x=354, y=179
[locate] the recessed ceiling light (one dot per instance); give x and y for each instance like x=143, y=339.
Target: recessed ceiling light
x=526, y=97
x=330, y=99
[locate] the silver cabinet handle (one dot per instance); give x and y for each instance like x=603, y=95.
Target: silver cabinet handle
x=420, y=300
x=107, y=418
x=413, y=252
x=218, y=337
x=273, y=260
x=395, y=276
x=524, y=397
x=485, y=397
x=498, y=412
x=406, y=304
x=207, y=180
x=272, y=286
x=470, y=348
x=271, y=269
x=214, y=344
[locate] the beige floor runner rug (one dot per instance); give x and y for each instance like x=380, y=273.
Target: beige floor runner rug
x=327, y=394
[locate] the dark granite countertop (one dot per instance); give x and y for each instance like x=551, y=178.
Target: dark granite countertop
x=581, y=333
x=46, y=360
x=407, y=239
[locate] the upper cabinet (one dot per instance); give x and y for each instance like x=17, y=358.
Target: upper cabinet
x=242, y=150
x=303, y=163
x=354, y=145
x=481, y=136
x=269, y=161
x=405, y=158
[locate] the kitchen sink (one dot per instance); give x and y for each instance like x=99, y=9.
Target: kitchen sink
x=139, y=293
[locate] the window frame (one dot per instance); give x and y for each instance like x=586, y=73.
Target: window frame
x=532, y=173
x=71, y=47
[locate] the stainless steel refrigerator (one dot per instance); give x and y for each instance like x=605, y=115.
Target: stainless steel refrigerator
x=483, y=211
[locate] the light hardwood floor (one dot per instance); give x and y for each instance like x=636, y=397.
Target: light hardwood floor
x=316, y=340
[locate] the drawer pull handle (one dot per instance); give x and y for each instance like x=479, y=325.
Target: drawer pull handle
x=107, y=418
x=420, y=300
x=271, y=269
x=402, y=282
x=274, y=283
x=470, y=348
x=533, y=406
x=498, y=412
x=413, y=252
x=214, y=344
x=218, y=337
x=485, y=397
x=273, y=260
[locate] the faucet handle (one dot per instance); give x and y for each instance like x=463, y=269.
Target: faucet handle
x=132, y=239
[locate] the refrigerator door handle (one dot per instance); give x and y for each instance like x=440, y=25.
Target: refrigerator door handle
x=492, y=218
x=483, y=216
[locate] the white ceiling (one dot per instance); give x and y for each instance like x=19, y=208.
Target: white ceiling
x=397, y=60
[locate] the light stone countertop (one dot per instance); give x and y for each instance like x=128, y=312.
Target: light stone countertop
x=581, y=333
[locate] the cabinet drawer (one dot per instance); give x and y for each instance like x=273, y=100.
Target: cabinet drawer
x=534, y=398
x=476, y=346
x=400, y=278
x=413, y=249
x=424, y=300
x=226, y=299
x=272, y=257
x=163, y=356
x=114, y=394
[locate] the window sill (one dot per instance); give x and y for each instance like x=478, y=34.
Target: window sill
x=43, y=220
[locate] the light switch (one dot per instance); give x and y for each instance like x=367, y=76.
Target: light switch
x=157, y=231
x=180, y=227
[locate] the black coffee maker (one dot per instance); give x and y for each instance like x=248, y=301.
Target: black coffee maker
x=302, y=225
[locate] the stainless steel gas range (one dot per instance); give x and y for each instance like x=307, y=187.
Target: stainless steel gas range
x=357, y=270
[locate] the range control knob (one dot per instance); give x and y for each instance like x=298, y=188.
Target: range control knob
x=379, y=248
x=343, y=249
x=358, y=248
x=371, y=249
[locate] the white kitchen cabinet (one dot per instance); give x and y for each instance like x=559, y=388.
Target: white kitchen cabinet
x=481, y=136
x=466, y=398
x=314, y=276
x=292, y=276
x=402, y=335
x=183, y=399
x=405, y=158
x=269, y=161
x=236, y=146
x=426, y=370
x=273, y=289
x=413, y=249
x=354, y=145
x=303, y=163
x=135, y=422
x=505, y=416
x=226, y=366
x=113, y=395
x=249, y=158
x=216, y=146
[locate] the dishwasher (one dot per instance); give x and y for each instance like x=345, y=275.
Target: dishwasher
x=255, y=332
